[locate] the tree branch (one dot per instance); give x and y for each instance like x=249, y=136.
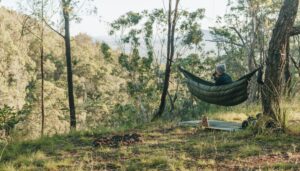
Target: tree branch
x=27, y=28
x=240, y=36
x=295, y=31
x=225, y=41
x=295, y=63
x=57, y=32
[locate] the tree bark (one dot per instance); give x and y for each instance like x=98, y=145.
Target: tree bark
x=275, y=61
x=66, y=9
x=170, y=55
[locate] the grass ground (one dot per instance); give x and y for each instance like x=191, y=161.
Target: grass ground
x=164, y=147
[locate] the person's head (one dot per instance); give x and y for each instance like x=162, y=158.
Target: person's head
x=220, y=69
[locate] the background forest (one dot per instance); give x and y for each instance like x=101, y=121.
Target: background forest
x=122, y=87
x=77, y=102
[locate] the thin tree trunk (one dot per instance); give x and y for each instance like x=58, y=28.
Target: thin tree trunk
x=295, y=63
x=42, y=70
x=171, y=102
x=66, y=8
x=253, y=87
x=287, y=73
x=170, y=55
x=275, y=61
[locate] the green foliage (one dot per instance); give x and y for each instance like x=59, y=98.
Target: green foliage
x=105, y=49
x=20, y=66
x=246, y=30
x=190, y=27
x=127, y=20
x=9, y=118
x=123, y=61
x=125, y=115
x=136, y=32
x=131, y=27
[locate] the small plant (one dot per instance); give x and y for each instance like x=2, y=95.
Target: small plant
x=9, y=117
x=282, y=119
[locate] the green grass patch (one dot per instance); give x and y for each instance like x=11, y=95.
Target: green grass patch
x=164, y=147
x=249, y=150
x=286, y=166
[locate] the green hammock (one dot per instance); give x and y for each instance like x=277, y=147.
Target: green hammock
x=224, y=95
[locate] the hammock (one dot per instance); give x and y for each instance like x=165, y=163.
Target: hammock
x=225, y=95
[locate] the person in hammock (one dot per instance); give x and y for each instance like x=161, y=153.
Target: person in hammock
x=220, y=77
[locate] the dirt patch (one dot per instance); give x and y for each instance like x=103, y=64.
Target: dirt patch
x=118, y=140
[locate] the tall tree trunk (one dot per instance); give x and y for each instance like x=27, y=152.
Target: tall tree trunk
x=275, y=61
x=170, y=55
x=42, y=69
x=66, y=9
x=253, y=87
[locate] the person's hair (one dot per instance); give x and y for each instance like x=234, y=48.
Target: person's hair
x=221, y=68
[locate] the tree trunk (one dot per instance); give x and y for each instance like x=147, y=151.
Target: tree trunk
x=42, y=89
x=66, y=8
x=42, y=70
x=170, y=54
x=171, y=102
x=253, y=87
x=275, y=61
x=287, y=73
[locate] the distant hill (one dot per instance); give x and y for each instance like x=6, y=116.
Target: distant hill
x=208, y=46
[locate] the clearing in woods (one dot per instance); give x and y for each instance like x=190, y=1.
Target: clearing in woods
x=157, y=147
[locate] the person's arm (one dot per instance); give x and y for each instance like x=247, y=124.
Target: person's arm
x=214, y=76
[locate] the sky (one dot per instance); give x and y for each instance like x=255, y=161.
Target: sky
x=109, y=10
